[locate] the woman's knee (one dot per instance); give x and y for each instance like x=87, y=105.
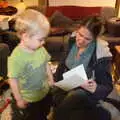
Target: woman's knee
x=74, y=99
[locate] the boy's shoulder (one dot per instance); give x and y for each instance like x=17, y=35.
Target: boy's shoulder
x=15, y=56
x=21, y=54
x=42, y=50
x=15, y=52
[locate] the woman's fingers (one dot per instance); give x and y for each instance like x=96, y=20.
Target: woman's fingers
x=89, y=85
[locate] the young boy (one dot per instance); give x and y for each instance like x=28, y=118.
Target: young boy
x=29, y=74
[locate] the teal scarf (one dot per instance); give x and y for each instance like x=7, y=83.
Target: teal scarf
x=84, y=59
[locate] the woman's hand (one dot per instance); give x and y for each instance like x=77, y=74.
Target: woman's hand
x=89, y=85
x=22, y=103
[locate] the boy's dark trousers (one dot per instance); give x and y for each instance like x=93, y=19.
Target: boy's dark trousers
x=34, y=111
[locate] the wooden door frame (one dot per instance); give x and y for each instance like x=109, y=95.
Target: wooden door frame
x=117, y=7
x=45, y=2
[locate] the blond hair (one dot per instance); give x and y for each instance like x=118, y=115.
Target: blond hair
x=32, y=22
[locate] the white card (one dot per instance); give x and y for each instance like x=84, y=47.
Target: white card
x=73, y=78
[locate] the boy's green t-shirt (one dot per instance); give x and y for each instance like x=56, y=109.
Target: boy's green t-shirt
x=30, y=71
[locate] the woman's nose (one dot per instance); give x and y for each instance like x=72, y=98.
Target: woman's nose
x=80, y=40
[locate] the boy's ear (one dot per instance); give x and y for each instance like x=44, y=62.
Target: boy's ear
x=24, y=36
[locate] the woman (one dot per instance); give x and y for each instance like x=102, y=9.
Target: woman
x=83, y=103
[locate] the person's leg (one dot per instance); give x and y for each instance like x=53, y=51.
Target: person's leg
x=76, y=100
x=17, y=113
x=34, y=111
x=42, y=108
x=103, y=114
x=29, y=113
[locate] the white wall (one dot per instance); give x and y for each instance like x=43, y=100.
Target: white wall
x=27, y=2
x=69, y=2
x=83, y=2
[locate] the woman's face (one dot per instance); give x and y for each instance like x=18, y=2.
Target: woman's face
x=83, y=37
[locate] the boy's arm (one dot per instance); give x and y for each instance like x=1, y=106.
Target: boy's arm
x=50, y=75
x=15, y=89
x=16, y=93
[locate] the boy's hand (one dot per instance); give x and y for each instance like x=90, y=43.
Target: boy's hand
x=51, y=83
x=22, y=103
x=89, y=85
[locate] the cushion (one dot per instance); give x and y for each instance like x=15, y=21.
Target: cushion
x=73, y=12
x=37, y=8
x=8, y=10
x=59, y=20
x=107, y=12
